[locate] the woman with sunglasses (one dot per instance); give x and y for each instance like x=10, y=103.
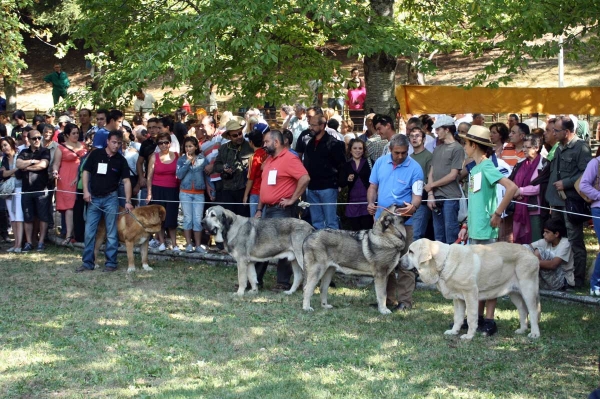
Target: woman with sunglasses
x=64, y=169
x=13, y=203
x=163, y=187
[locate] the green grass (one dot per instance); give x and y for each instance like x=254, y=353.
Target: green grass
x=178, y=332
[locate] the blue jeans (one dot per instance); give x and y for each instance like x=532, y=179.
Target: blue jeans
x=445, y=221
x=109, y=206
x=420, y=220
x=323, y=216
x=253, y=200
x=595, y=279
x=338, y=103
x=192, y=206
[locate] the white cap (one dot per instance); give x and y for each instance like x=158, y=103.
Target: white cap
x=443, y=120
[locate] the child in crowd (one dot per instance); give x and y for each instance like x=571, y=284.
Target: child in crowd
x=555, y=255
x=484, y=211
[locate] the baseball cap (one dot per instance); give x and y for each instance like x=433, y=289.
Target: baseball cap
x=443, y=120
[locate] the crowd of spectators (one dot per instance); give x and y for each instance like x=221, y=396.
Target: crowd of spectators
x=420, y=164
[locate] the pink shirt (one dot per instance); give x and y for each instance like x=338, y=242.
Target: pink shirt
x=164, y=173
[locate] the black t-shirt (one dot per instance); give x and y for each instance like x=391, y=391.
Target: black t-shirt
x=102, y=184
x=19, y=130
x=302, y=141
x=146, y=150
x=35, y=180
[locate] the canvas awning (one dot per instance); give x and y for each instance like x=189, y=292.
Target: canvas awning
x=457, y=100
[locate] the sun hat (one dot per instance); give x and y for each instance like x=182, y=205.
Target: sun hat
x=478, y=134
x=443, y=120
x=235, y=123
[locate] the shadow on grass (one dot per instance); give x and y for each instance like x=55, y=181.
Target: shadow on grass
x=180, y=332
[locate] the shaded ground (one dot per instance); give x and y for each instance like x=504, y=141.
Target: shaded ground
x=454, y=69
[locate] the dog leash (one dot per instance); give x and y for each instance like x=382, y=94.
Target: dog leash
x=120, y=213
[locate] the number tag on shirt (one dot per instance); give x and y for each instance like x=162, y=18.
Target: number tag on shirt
x=477, y=182
x=272, y=178
x=102, y=168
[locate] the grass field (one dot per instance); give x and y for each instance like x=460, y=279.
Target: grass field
x=178, y=332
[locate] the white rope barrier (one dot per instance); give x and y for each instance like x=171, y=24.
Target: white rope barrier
x=46, y=191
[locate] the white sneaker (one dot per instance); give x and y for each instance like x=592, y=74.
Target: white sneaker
x=162, y=247
x=17, y=251
x=200, y=250
x=176, y=248
x=595, y=291
x=189, y=248
x=11, y=249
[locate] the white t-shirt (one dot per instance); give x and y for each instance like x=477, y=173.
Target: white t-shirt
x=146, y=105
x=563, y=251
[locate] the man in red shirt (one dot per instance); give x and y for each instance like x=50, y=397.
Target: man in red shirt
x=284, y=179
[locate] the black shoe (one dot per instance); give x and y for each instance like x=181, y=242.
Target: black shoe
x=281, y=287
x=28, y=247
x=109, y=269
x=488, y=328
x=83, y=269
x=401, y=307
x=465, y=325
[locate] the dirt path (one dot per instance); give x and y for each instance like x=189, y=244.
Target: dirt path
x=454, y=69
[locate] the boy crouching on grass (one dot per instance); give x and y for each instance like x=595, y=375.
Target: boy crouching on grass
x=484, y=212
x=556, y=257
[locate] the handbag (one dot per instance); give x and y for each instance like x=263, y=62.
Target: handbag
x=577, y=205
x=7, y=187
x=596, y=185
x=462, y=206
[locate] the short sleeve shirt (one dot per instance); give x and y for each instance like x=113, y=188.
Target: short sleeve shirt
x=445, y=158
x=483, y=202
x=35, y=180
x=105, y=179
x=286, y=169
x=396, y=184
x=147, y=149
x=563, y=251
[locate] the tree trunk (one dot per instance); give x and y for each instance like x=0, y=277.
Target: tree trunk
x=380, y=72
x=10, y=89
x=380, y=77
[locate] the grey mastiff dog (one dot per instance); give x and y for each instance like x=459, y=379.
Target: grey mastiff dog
x=373, y=253
x=250, y=240
x=471, y=273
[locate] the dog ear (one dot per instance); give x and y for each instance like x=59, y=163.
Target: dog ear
x=386, y=222
x=424, y=251
x=226, y=222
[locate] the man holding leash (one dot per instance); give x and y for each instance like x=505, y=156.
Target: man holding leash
x=397, y=179
x=284, y=180
x=108, y=167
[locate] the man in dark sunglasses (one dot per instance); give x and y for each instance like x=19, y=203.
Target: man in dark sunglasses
x=232, y=164
x=33, y=161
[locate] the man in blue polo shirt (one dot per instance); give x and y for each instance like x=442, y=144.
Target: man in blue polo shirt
x=397, y=179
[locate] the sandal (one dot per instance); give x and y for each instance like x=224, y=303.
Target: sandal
x=67, y=241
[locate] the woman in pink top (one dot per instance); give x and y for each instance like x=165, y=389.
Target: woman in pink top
x=163, y=187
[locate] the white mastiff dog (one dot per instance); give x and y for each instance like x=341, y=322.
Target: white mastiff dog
x=470, y=273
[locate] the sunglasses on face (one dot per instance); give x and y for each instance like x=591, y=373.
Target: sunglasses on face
x=235, y=136
x=35, y=138
x=164, y=142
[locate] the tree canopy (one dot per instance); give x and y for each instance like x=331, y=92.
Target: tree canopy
x=273, y=48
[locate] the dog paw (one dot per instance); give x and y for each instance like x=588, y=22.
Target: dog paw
x=326, y=306
x=534, y=335
x=451, y=332
x=146, y=267
x=131, y=269
x=253, y=291
x=466, y=336
x=289, y=292
x=240, y=293
x=385, y=311
x=308, y=308
x=521, y=331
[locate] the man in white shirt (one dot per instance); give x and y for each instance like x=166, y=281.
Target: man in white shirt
x=144, y=102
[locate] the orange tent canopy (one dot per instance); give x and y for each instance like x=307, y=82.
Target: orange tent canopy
x=457, y=100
